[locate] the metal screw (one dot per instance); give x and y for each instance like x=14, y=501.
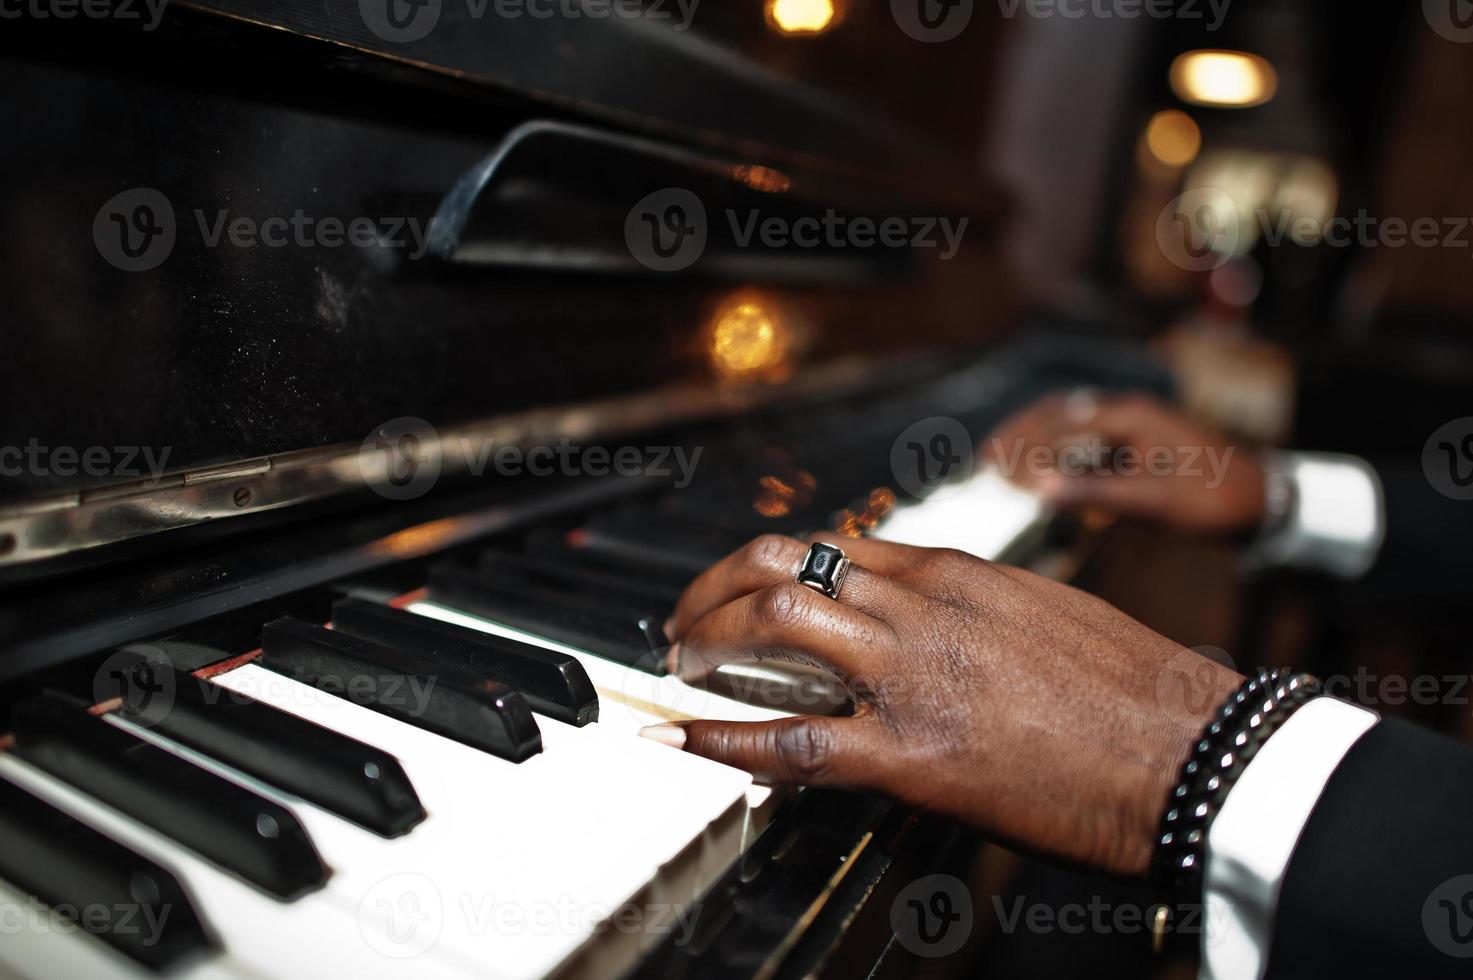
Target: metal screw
x=242, y=496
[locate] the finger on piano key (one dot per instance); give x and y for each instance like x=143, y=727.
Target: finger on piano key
x=632, y=699
x=553, y=684
x=356, y=781
x=255, y=838
x=614, y=631
x=629, y=698
x=476, y=712
x=318, y=935
x=110, y=891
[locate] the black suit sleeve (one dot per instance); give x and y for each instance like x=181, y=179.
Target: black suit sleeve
x=1428, y=547
x=1372, y=889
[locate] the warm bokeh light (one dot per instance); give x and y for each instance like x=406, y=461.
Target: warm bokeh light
x=1223, y=79
x=800, y=16
x=763, y=179
x=774, y=499
x=1306, y=198
x=861, y=517
x=422, y=539
x=749, y=341
x=1173, y=138
x=777, y=497
x=1286, y=194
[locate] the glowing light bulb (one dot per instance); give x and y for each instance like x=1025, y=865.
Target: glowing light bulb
x=800, y=16
x=750, y=341
x=1225, y=79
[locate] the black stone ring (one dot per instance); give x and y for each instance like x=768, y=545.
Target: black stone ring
x=824, y=570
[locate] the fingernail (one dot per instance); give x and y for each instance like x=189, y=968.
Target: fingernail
x=671, y=735
x=669, y=629
x=672, y=659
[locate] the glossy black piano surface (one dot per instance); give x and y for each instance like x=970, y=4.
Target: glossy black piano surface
x=226, y=351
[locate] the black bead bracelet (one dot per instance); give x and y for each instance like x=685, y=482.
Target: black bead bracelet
x=1227, y=744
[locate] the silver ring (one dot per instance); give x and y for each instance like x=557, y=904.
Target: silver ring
x=824, y=569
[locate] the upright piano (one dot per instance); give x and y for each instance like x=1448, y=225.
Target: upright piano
x=372, y=390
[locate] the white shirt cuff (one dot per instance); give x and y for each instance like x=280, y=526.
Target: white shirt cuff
x=1337, y=519
x=1254, y=835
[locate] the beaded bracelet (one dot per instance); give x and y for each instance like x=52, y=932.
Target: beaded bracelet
x=1227, y=744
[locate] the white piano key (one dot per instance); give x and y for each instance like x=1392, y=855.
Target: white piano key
x=41, y=945
x=314, y=936
x=985, y=516
x=576, y=766
x=524, y=860
x=358, y=858
x=630, y=699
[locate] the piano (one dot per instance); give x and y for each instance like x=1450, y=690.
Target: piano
x=333, y=569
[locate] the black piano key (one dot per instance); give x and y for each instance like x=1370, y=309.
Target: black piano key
x=683, y=548
x=554, y=684
x=145, y=912
x=569, y=575
x=610, y=630
x=480, y=713
x=358, y=782
x=734, y=514
x=556, y=548
x=239, y=830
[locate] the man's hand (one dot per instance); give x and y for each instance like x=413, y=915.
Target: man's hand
x=1133, y=455
x=1026, y=708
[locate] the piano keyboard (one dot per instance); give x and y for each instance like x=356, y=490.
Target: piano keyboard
x=450, y=784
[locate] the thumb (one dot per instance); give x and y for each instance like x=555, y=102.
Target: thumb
x=806, y=750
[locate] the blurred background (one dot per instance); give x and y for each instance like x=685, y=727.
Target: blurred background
x=1200, y=188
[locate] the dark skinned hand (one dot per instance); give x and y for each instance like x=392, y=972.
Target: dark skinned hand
x=1164, y=467
x=1031, y=710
